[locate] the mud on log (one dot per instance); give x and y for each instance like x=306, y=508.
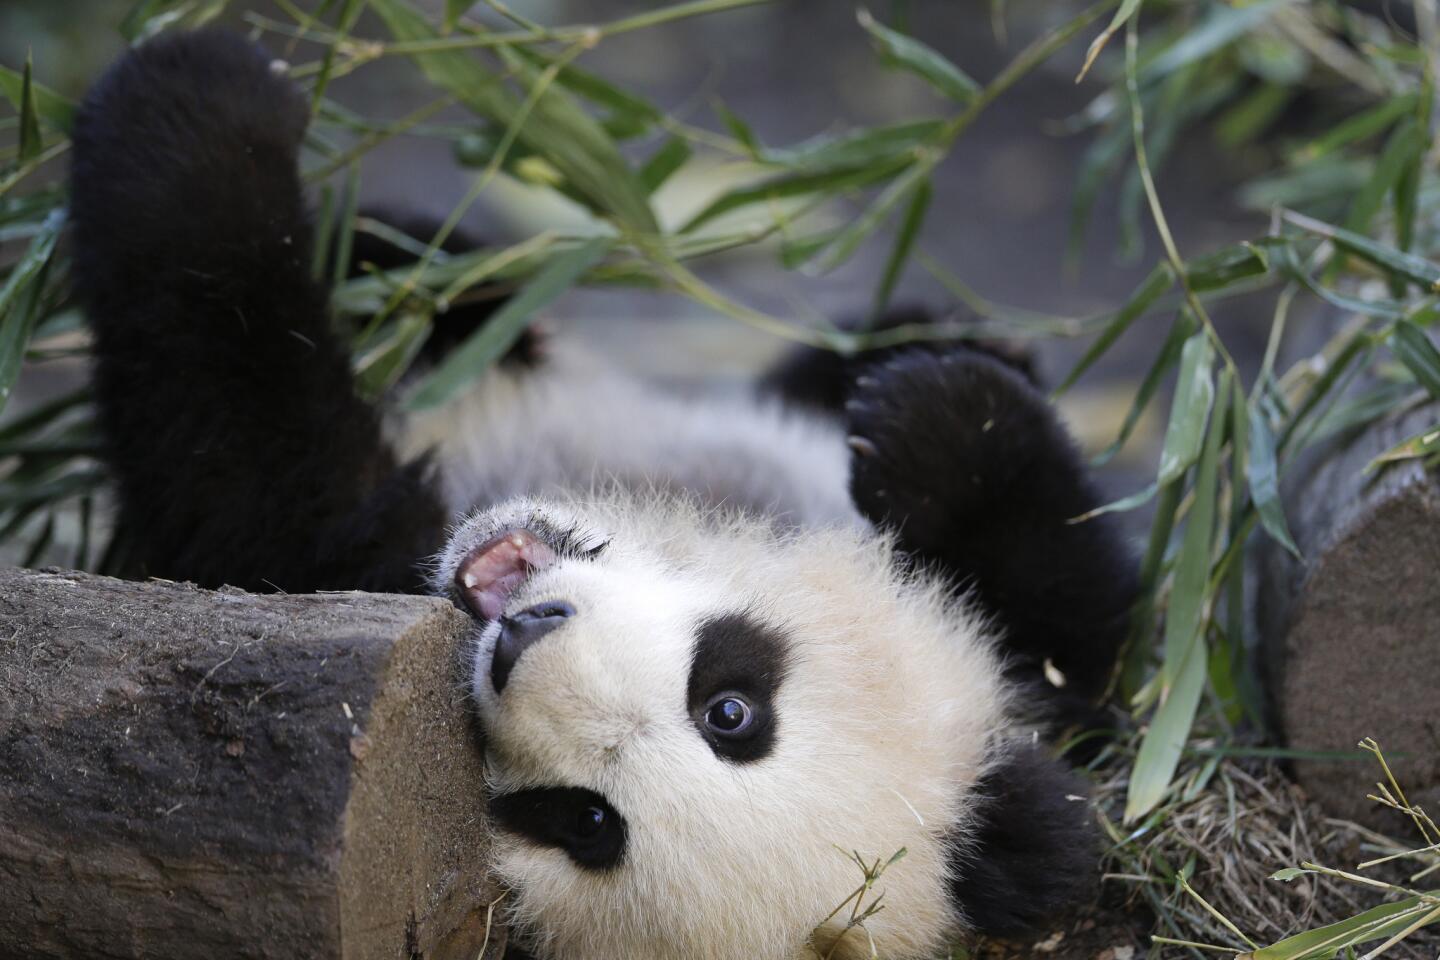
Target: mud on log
x=1350, y=635
x=187, y=773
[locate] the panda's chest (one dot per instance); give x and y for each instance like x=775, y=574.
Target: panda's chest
x=554, y=432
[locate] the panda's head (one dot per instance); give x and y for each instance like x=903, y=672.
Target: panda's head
x=693, y=723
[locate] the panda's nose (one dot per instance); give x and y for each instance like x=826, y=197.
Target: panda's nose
x=519, y=632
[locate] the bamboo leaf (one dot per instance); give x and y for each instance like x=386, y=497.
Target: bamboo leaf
x=138, y=16
x=1357, y=348
x=149, y=18
x=1224, y=24
x=899, y=191
x=796, y=185
x=349, y=13
x=1367, y=407
x=556, y=128
x=1185, y=666
x=853, y=149
x=1167, y=358
x=1126, y=11
x=1138, y=643
x=1422, y=444
x=489, y=343
x=324, y=227
x=1246, y=121
x=454, y=10
x=1401, y=149
x=363, y=296
x=1165, y=738
x=634, y=115
x=1159, y=280
x=1419, y=355
x=381, y=367
x=671, y=156
x=739, y=129
x=1365, y=124
x=13, y=495
x=798, y=251
x=1262, y=475
x=1397, y=262
x=1325, y=942
x=1407, y=200
x=30, y=140
x=1137, y=499
x=43, y=415
x=494, y=263
x=1192, y=569
x=1098, y=164
x=905, y=238
x=1226, y=266
x=49, y=106
x=20, y=301
x=1230, y=676
x=345, y=225
x=1194, y=393
x=907, y=53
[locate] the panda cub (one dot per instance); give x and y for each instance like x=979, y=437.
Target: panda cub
x=722, y=646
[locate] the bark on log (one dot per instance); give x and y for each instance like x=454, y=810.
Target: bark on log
x=187, y=773
x=1350, y=635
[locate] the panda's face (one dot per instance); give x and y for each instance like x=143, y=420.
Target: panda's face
x=691, y=724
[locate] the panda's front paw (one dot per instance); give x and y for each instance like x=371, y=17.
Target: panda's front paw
x=940, y=439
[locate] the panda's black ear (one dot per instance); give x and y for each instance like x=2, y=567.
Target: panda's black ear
x=1031, y=850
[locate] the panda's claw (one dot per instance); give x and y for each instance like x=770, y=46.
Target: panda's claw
x=862, y=446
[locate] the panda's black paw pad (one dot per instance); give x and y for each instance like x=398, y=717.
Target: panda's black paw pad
x=930, y=435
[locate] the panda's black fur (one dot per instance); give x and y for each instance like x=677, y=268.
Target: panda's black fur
x=243, y=456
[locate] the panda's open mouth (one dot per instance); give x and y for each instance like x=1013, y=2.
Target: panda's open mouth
x=493, y=571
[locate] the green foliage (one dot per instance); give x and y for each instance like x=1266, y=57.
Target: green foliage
x=1353, y=202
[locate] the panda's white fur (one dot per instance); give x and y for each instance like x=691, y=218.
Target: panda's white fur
x=576, y=424
x=893, y=706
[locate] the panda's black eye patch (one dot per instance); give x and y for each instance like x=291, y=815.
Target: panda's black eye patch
x=738, y=665
x=578, y=821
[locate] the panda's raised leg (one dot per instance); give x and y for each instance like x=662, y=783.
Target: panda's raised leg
x=967, y=462
x=241, y=452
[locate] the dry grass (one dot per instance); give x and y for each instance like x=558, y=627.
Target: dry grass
x=1204, y=865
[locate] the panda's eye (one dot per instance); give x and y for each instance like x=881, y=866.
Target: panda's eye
x=578, y=821
x=729, y=715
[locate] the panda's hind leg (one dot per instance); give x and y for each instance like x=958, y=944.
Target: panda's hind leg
x=240, y=450
x=969, y=466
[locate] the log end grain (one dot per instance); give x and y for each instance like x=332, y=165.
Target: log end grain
x=1351, y=634
x=212, y=773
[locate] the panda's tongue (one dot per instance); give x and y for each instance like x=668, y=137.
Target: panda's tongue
x=496, y=568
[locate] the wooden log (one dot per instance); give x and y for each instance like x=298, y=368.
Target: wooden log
x=187, y=773
x=1350, y=634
